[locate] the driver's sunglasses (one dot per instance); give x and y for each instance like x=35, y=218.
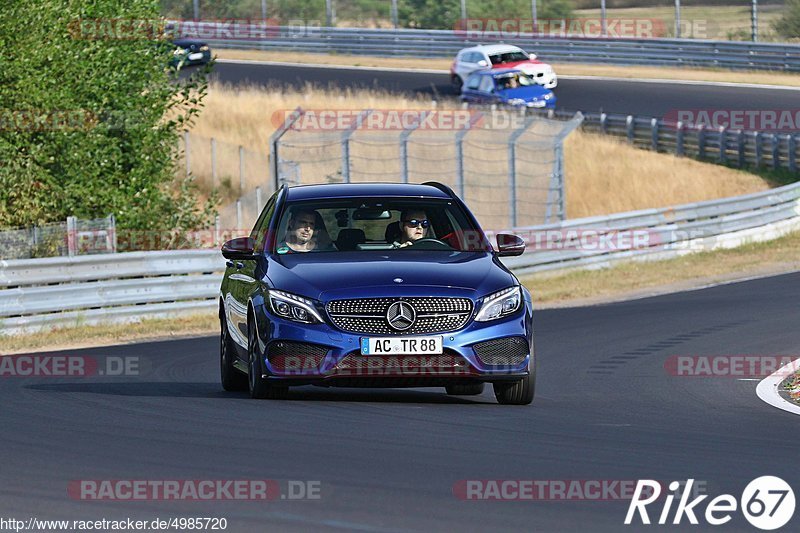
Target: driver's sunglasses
x=413, y=223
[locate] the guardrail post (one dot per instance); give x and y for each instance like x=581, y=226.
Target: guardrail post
x=679, y=138
x=759, y=149
x=629, y=127
x=723, y=144
x=72, y=236
x=701, y=141
x=241, y=169
x=776, y=154
x=460, y=152
x=740, y=145
x=213, y=163
x=791, y=146
x=603, y=123
x=654, y=134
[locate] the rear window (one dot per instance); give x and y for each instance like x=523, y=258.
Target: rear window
x=377, y=225
x=508, y=57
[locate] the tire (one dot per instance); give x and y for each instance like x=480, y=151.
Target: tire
x=518, y=392
x=231, y=378
x=258, y=386
x=470, y=389
x=457, y=83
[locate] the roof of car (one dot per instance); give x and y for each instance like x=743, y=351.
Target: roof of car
x=493, y=48
x=349, y=190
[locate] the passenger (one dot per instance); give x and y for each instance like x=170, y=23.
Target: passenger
x=512, y=83
x=413, y=227
x=305, y=233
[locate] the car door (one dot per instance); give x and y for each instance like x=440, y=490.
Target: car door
x=467, y=65
x=243, y=276
x=485, y=92
x=469, y=92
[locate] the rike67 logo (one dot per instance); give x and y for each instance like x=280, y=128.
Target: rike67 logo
x=767, y=503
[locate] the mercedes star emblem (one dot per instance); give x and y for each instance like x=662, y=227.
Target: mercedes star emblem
x=400, y=316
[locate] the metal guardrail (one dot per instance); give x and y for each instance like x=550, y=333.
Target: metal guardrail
x=733, y=147
x=445, y=43
x=37, y=293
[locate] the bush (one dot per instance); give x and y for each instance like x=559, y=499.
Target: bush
x=83, y=117
x=789, y=24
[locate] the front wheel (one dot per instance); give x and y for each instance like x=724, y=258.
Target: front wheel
x=517, y=392
x=231, y=378
x=258, y=385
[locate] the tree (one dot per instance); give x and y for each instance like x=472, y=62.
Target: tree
x=90, y=116
x=789, y=24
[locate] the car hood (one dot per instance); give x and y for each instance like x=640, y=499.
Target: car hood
x=525, y=93
x=334, y=275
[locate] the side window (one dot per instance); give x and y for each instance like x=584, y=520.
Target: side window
x=467, y=57
x=261, y=227
x=473, y=81
x=480, y=57
x=487, y=84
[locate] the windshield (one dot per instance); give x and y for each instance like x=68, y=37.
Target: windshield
x=514, y=80
x=370, y=225
x=508, y=57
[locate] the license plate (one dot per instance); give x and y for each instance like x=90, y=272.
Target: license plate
x=195, y=56
x=401, y=345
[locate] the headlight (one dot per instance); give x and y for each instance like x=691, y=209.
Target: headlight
x=500, y=304
x=516, y=101
x=204, y=48
x=293, y=307
x=548, y=96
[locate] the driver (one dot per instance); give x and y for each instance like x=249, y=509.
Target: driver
x=413, y=227
x=304, y=233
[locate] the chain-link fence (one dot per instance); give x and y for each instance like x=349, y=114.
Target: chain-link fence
x=69, y=238
x=507, y=166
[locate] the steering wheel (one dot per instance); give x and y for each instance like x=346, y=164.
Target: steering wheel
x=437, y=244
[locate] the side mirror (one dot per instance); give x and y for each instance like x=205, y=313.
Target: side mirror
x=240, y=248
x=509, y=245
x=483, y=63
x=531, y=56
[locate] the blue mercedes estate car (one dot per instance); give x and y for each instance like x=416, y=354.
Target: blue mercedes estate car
x=374, y=285
x=509, y=87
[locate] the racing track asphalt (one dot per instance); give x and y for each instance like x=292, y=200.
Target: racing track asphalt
x=387, y=459
x=652, y=99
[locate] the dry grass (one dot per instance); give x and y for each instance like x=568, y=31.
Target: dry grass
x=606, y=175
x=779, y=255
x=111, y=334
x=563, y=69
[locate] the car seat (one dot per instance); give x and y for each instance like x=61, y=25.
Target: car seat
x=349, y=238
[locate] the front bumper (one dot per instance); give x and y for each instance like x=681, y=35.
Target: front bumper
x=322, y=354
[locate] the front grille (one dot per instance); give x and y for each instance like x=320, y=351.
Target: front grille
x=368, y=315
x=447, y=364
x=509, y=351
x=296, y=357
